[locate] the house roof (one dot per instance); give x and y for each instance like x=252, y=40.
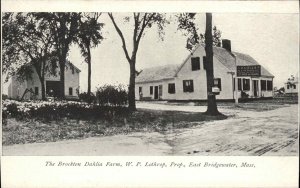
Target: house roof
x=225, y=57
x=157, y=73
x=242, y=59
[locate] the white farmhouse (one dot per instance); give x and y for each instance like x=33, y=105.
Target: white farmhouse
x=16, y=88
x=291, y=86
x=187, y=81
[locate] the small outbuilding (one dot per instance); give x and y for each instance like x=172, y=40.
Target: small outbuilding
x=291, y=86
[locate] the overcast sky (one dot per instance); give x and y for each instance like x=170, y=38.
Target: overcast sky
x=271, y=39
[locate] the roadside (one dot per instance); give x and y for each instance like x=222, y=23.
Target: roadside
x=24, y=130
x=269, y=132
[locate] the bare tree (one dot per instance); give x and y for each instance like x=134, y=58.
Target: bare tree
x=142, y=21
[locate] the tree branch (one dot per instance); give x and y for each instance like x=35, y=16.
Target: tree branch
x=144, y=25
x=121, y=36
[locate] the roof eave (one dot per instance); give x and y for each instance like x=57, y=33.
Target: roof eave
x=164, y=79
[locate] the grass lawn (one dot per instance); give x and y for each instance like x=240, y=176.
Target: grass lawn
x=16, y=131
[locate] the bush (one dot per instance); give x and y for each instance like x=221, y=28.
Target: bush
x=109, y=95
x=4, y=96
x=85, y=97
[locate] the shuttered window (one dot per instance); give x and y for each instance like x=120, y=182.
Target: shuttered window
x=70, y=91
x=171, y=88
x=195, y=63
x=188, y=86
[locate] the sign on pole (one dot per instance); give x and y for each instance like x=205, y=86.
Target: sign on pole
x=251, y=70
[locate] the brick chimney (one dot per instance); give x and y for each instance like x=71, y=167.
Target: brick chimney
x=226, y=44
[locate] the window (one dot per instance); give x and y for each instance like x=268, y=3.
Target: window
x=294, y=86
x=195, y=63
x=239, y=84
x=263, y=85
x=204, y=62
x=288, y=86
x=188, y=86
x=140, y=89
x=36, y=90
x=269, y=85
x=246, y=84
x=218, y=84
x=171, y=88
x=151, y=90
x=70, y=91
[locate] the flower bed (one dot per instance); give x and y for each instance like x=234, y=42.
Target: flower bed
x=53, y=110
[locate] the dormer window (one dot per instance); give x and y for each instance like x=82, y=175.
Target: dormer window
x=195, y=63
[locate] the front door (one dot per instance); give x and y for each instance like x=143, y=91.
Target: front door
x=156, y=92
x=52, y=88
x=255, y=88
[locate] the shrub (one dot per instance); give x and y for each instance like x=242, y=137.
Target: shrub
x=110, y=95
x=4, y=96
x=53, y=110
x=85, y=97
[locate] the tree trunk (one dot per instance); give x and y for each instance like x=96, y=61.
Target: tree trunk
x=42, y=80
x=131, y=89
x=43, y=89
x=89, y=72
x=211, y=98
x=62, y=64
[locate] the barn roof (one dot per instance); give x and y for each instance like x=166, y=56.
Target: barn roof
x=170, y=71
x=71, y=64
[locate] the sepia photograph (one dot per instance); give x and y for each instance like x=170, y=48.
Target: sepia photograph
x=149, y=84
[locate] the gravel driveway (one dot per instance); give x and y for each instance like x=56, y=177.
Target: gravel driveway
x=244, y=133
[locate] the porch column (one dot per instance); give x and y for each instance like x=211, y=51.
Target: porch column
x=259, y=87
x=251, y=94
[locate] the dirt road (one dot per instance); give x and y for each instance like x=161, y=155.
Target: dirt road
x=244, y=133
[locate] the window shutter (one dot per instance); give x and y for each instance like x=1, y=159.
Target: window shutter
x=191, y=86
x=219, y=84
